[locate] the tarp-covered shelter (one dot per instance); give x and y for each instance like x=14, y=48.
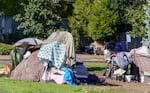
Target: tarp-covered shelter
x=31, y=68
x=21, y=47
x=66, y=38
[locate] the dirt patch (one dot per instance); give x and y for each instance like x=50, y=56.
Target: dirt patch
x=145, y=88
x=115, y=84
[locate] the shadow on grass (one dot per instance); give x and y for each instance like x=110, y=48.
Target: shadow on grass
x=92, y=69
x=3, y=75
x=105, y=84
x=109, y=84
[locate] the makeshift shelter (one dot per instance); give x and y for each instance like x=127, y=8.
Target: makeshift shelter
x=66, y=38
x=29, y=69
x=32, y=68
x=141, y=64
x=28, y=41
x=21, y=47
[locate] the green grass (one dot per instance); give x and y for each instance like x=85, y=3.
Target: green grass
x=95, y=68
x=11, y=86
x=2, y=66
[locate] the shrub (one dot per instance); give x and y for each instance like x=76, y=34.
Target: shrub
x=5, y=48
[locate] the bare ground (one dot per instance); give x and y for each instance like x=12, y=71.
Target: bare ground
x=115, y=84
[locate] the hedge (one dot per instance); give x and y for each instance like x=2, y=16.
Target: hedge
x=5, y=49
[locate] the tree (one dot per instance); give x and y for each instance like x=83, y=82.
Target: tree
x=146, y=39
x=93, y=18
x=11, y=7
x=40, y=17
x=121, y=6
x=65, y=8
x=78, y=20
x=102, y=20
x=136, y=16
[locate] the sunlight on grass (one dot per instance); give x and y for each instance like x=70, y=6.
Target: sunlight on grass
x=12, y=86
x=2, y=66
x=96, y=68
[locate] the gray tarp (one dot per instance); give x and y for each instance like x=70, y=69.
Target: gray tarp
x=28, y=41
x=122, y=60
x=66, y=38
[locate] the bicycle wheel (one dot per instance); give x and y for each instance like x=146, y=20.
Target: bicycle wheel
x=108, y=70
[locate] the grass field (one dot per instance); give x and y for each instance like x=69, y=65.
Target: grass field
x=11, y=86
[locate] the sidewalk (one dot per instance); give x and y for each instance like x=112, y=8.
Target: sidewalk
x=90, y=58
x=5, y=59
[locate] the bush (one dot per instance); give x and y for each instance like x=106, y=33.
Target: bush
x=5, y=49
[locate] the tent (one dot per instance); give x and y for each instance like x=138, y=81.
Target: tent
x=31, y=69
x=28, y=41
x=21, y=47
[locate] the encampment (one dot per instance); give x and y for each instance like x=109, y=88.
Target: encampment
x=53, y=61
x=32, y=68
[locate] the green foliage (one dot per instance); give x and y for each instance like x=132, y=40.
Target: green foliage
x=40, y=16
x=96, y=19
x=136, y=15
x=11, y=7
x=121, y=6
x=102, y=20
x=76, y=36
x=65, y=8
x=78, y=21
x=5, y=48
x=146, y=39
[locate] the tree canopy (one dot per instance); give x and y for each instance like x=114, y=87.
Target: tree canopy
x=11, y=7
x=39, y=17
x=92, y=18
x=107, y=17
x=136, y=16
x=102, y=20
x=78, y=20
x=146, y=39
